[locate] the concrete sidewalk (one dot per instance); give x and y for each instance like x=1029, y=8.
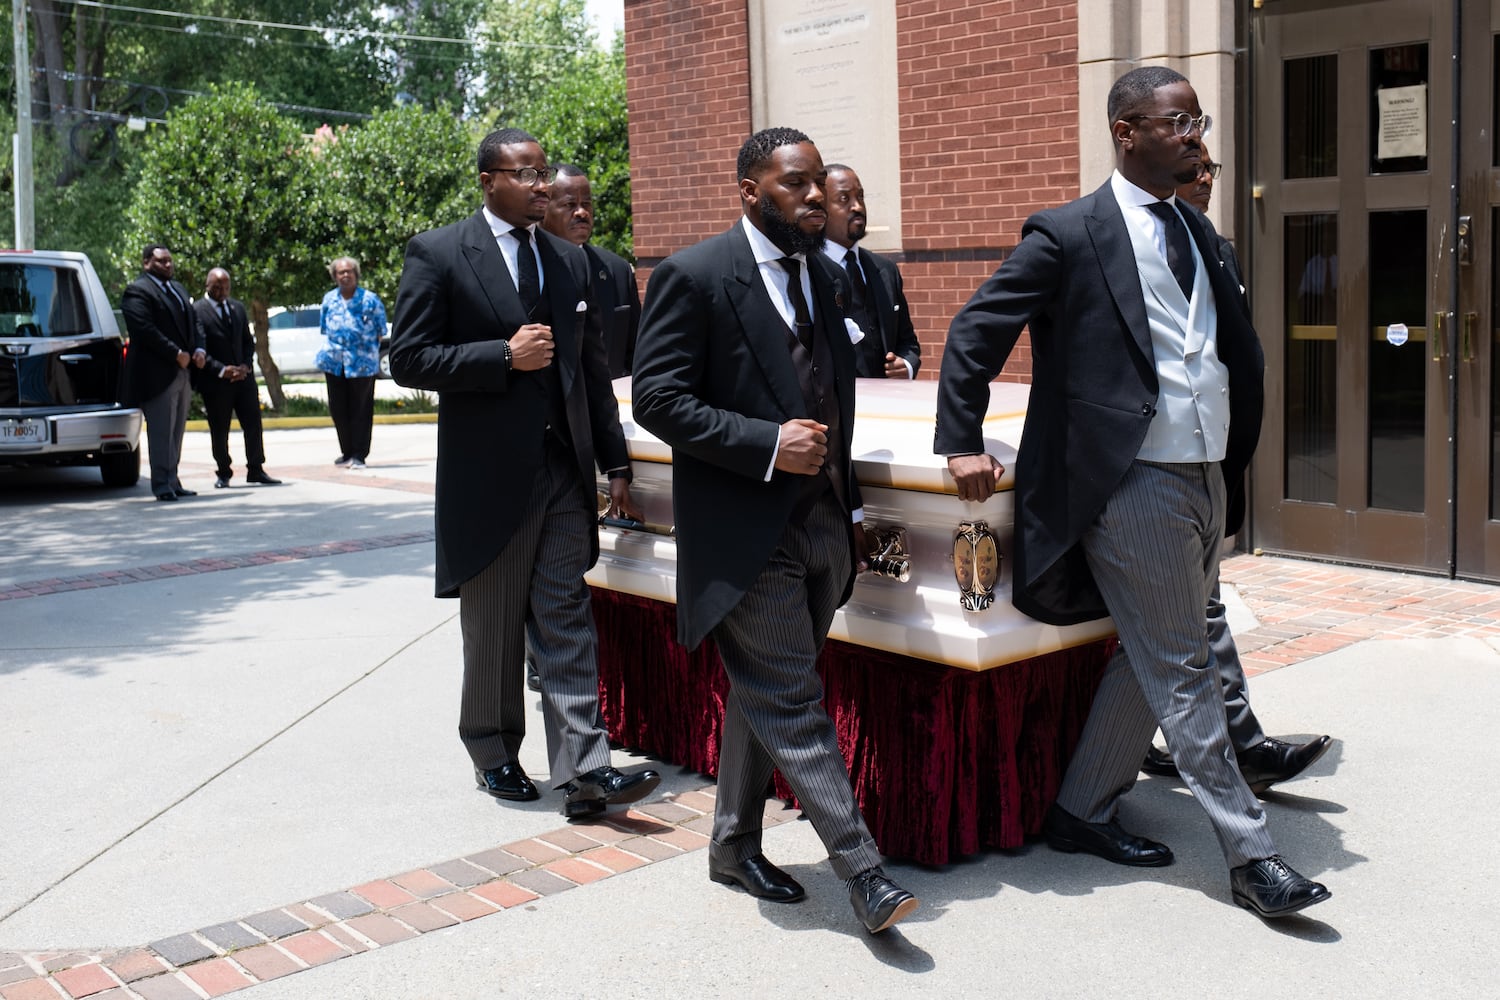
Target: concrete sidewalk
x=227, y=728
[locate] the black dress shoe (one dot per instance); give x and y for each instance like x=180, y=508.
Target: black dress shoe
x=1069, y=834
x=533, y=678
x=259, y=476
x=167, y=497
x=186, y=493
x=221, y=483
x=590, y=794
x=1160, y=763
x=879, y=902
x=1272, y=761
x=758, y=877
x=1271, y=888
x=508, y=782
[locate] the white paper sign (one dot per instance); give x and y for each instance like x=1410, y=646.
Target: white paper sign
x=1403, y=122
x=1396, y=334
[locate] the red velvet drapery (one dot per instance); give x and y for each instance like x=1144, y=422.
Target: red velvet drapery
x=945, y=762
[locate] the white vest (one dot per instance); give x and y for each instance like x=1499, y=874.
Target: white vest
x=1192, y=407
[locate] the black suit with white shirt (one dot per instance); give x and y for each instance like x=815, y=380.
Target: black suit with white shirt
x=229, y=342
x=516, y=518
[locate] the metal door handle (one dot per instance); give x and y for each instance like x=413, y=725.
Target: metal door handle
x=1466, y=342
x=1439, y=320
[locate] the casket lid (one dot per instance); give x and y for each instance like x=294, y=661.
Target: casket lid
x=893, y=430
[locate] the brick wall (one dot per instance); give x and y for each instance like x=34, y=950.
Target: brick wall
x=688, y=89
x=989, y=134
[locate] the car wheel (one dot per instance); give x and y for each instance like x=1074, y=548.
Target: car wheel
x=120, y=468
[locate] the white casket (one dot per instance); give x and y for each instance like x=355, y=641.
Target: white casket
x=904, y=485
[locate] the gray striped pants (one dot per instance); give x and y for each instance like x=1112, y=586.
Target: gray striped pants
x=534, y=592
x=1154, y=553
x=774, y=717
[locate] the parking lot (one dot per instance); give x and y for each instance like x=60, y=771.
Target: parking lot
x=227, y=729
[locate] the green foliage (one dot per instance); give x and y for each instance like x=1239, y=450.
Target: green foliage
x=580, y=119
x=225, y=183
x=378, y=185
x=527, y=46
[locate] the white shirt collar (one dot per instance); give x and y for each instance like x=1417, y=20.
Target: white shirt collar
x=1131, y=195
x=761, y=246
x=499, y=227
x=836, y=253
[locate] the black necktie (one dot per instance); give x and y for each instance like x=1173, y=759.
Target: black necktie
x=1179, y=251
x=529, y=282
x=224, y=313
x=857, y=289
x=793, y=268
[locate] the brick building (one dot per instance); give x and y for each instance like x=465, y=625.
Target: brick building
x=1362, y=189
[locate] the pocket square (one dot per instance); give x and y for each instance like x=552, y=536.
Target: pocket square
x=855, y=333
x=583, y=306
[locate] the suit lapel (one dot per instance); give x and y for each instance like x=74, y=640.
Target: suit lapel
x=1116, y=254
x=765, y=331
x=565, y=298
x=881, y=298
x=493, y=277
x=830, y=290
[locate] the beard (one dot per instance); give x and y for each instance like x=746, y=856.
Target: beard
x=786, y=234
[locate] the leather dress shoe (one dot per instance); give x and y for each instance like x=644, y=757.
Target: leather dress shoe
x=590, y=794
x=259, y=476
x=167, y=497
x=221, y=483
x=1270, y=888
x=1069, y=834
x=879, y=902
x=186, y=493
x=758, y=877
x=508, y=782
x=533, y=678
x=1160, y=763
x=1272, y=761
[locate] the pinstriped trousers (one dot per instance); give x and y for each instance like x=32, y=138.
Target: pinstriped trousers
x=1154, y=553
x=774, y=717
x=534, y=592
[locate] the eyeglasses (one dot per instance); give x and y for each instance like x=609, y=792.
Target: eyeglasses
x=527, y=175
x=1211, y=169
x=1183, y=123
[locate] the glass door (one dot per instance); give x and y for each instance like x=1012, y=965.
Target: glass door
x=1352, y=281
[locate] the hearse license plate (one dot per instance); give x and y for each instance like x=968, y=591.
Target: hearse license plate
x=23, y=432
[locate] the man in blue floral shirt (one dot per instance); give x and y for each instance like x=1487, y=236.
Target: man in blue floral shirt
x=353, y=322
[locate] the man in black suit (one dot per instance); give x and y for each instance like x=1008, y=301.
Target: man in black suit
x=497, y=316
x=877, y=296
x=1145, y=408
x=227, y=380
x=1264, y=760
x=570, y=216
x=164, y=339
x=745, y=368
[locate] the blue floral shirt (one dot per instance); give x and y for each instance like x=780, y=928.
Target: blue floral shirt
x=354, y=328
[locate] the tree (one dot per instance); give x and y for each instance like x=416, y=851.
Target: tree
x=379, y=184
x=581, y=119
x=225, y=182
x=526, y=47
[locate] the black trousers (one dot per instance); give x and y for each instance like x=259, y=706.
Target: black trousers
x=351, y=404
x=241, y=400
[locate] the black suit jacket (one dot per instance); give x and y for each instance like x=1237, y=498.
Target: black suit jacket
x=714, y=379
x=1073, y=278
x=455, y=306
x=229, y=343
x=892, y=317
x=619, y=306
x=158, y=328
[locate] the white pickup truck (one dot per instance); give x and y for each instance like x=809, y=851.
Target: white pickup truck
x=61, y=360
